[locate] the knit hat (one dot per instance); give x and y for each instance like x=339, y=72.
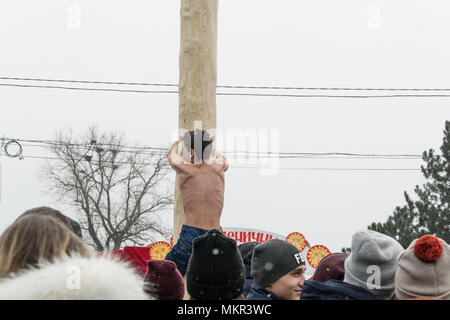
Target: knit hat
x=424, y=270
x=331, y=267
x=215, y=270
x=373, y=262
x=273, y=259
x=75, y=227
x=163, y=280
x=136, y=256
x=246, y=251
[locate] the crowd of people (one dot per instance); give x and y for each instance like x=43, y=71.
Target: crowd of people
x=43, y=251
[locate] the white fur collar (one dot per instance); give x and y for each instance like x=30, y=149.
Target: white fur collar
x=76, y=278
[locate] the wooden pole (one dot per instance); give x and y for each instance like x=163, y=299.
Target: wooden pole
x=197, y=78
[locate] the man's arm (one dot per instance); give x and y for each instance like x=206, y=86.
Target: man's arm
x=225, y=167
x=221, y=160
x=175, y=160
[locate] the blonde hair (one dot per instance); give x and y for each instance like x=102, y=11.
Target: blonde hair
x=33, y=238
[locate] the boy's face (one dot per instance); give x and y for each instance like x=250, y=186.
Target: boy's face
x=289, y=286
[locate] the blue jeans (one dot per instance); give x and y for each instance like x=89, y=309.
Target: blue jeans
x=181, y=251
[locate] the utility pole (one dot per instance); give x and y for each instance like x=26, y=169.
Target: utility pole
x=198, y=79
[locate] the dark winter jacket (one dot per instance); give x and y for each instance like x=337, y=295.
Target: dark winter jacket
x=248, y=279
x=334, y=290
x=259, y=293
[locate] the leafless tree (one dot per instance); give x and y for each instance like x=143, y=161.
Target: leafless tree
x=118, y=191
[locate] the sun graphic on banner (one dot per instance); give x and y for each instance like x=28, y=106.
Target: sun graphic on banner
x=159, y=250
x=317, y=253
x=297, y=239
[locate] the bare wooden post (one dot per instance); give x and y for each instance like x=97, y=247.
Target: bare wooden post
x=198, y=78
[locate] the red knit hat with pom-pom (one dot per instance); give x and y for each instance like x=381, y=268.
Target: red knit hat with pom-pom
x=424, y=270
x=428, y=248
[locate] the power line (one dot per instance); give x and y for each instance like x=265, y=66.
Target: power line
x=91, y=82
x=86, y=88
x=240, y=167
x=226, y=86
x=231, y=154
x=22, y=157
x=47, y=143
x=337, y=96
x=332, y=169
x=271, y=155
x=265, y=155
x=233, y=93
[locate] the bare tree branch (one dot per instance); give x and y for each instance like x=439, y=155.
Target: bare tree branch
x=118, y=192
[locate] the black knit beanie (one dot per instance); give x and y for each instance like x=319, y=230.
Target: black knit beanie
x=246, y=250
x=273, y=259
x=215, y=270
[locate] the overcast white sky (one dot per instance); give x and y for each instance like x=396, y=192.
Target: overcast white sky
x=401, y=44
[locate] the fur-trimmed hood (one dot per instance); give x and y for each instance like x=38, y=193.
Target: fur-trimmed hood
x=76, y=278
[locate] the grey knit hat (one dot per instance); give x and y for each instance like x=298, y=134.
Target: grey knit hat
x=373, y=262
x=424, y=270
x=273, y=259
